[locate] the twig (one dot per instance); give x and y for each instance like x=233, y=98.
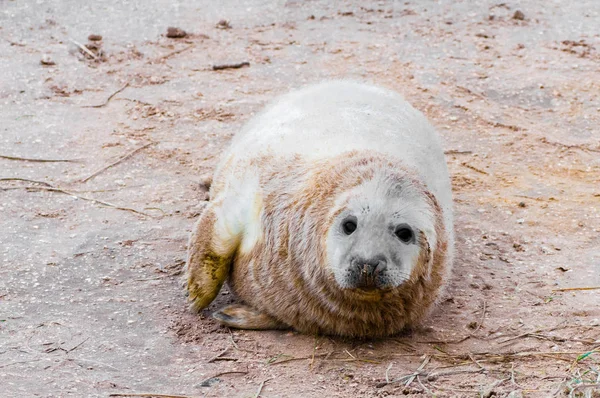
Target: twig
x=236, y=346
x=218, y=355
x=387, y=373
x=84, y=48
x=532, y=353
x=432, y=376
x=512, y=375
x=409, y=377
x=468, y=166
x=233, y=341
x=482, y=316
x=127, y=156
x=38, y=160
x=419, y=369
x=231, y=66
x=458, y=341
x=169, y=275
x=109, y=98
x=230, y=372
x=561, y=325
x=475, y=361
x=360, y=360
x=567, y=289
x=148, y=395
x=18, y=362
x=533, y=198
x=457, y=152
x=261, y=387
x=77, y=346
x=348, y=352
x=53, y=189
x=583, y=385
x=383, y=384
x=548, y=338
x=568, y=146
x=26, y=180
x=276, y=362
x=163, y=57
x=206, y=382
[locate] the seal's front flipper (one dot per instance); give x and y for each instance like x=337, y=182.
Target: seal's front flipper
x=211, y=251
x=241, y=316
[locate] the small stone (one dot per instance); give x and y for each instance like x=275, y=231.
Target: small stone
x=46, y=60
x=595, y=322
x=519, y=16
x=175, y=33
x=209, y=382
x=94, y=37
x=518, y=247
x=223, y=24
x=522, y=204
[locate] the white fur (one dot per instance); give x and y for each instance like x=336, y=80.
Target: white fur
x=238, y=219
x=324, y=120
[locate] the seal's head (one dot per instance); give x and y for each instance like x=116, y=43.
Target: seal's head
x=378, y=233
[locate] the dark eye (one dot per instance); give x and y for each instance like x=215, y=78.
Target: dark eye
x=349, y=226
x=404, y=233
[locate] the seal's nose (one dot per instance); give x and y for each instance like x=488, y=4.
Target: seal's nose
x=369, y=269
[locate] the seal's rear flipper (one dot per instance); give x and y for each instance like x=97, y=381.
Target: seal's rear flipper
x=241, y=316
x=211, y=250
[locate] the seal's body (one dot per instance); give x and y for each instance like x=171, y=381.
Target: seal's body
x=331, y=213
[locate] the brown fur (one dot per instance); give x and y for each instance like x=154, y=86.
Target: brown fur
x=285, y=274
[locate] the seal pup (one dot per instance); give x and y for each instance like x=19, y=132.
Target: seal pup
x=331, y=213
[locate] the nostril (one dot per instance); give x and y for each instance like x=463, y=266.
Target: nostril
x=370, y=266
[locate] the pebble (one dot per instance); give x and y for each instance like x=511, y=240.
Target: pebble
x=223, y=24
x=175, y=33
x=519, y=16
x=46, y=60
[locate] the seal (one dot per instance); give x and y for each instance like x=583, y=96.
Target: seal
x=331, y=213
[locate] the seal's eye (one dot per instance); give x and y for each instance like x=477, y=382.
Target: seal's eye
x=404, y=233
x=349, y=226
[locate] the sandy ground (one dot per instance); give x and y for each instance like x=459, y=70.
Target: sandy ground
x=90, y=297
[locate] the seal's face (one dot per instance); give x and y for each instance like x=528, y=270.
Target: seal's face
x=378, y=232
